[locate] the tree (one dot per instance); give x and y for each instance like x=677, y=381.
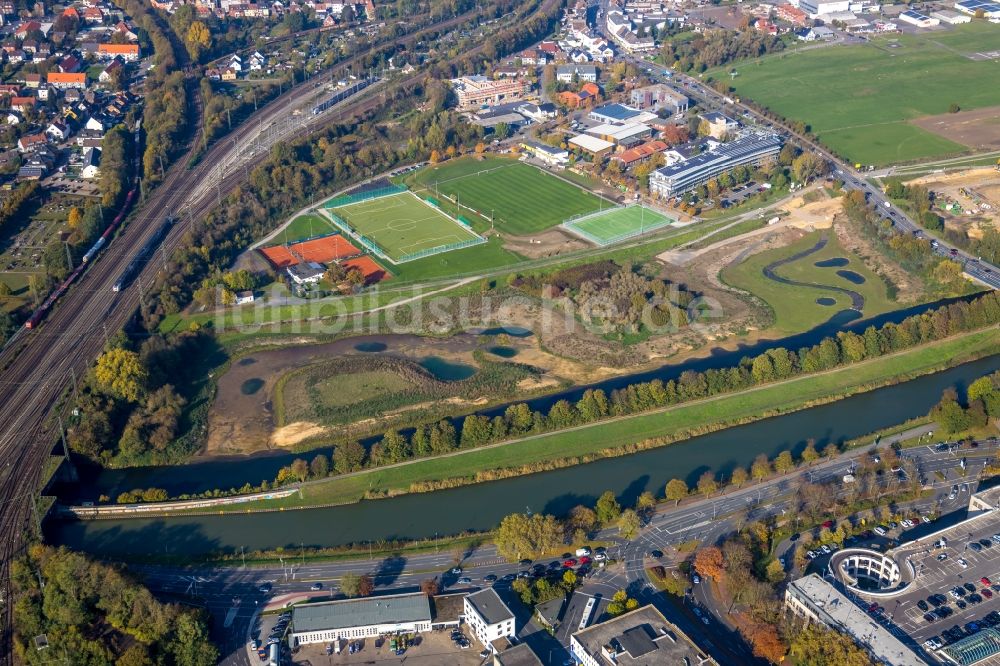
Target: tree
x=607, y=508
x=739, y=477
x=621, y=603
x=809, y=454
x=760, y=468
x=319, y=468
x=676, y=490
x=480, y=149
x=121, y=373
x=348, y=457
x=813, y=644
x=198, y=39
x=784, y=462
x=435, y=157
x=775, y=572
x=429, y=587
x=353, y=585
x=831, y=450
x=708, y=562
x=581, y=518
x=808, y=166
x=707, y=483
x=300, y=469
x=501, y=131
x=645, y=504
x=629, y=524
x=954, y=108
x=520, y=535
x=766, y=643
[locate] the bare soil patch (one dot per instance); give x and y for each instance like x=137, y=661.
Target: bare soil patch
x=975, y=192
x=978, y=129
x=544, y=244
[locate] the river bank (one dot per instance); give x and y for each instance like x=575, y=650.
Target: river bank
x=480, y=507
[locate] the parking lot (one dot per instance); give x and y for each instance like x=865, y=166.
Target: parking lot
x=956, y=590
x=426, y=649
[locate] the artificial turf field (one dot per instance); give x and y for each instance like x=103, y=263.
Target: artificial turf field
x=402, y=224
x=858, y=99
x=618, y=223
x=522, y=199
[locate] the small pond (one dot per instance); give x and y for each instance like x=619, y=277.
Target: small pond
x=852, y=277
x=371, y=347
x=825, y=300
x=503, y=352
x=832, y=263
x=251, y=386
x=513, y=331
x=447, y=371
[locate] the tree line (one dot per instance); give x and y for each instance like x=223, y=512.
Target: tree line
x=716, y=47
x=94, y=614
x=166, y=107
x=594, y=405
x=982, y=403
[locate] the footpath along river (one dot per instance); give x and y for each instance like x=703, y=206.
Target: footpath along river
x=482, y=506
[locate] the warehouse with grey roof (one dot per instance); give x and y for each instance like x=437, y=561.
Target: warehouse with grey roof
x=359, y=618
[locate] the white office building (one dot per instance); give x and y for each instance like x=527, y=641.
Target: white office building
x=489, y=616
x=688, y=174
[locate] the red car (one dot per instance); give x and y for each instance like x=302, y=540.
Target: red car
x=986, y=593
x=569, y=563
x=584, y=560
x=985, y=581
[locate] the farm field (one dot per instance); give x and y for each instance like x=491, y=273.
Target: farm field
x=860, y=99
x=741, y=407
x=799, y=308
x=522, y=198
x=402, y=224
x=618, y=224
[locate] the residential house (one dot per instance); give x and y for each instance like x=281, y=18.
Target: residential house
x=30, y=142
x=63, y=80
x=91, y=163
x=15, y=56
x=9, y=89
x=93, y=15
x=14, y=118
x=122, y=28
x=69, y=65
x=639, y=154
x=127, y=52
x=538, y=112
x=243, y=297
x=26, y=28
x=113, y=69
x=306, y=273
x=94, y=124
x=22, y=104
x=33, y=80
x=57, y=130
x=552, y=155
x=229, y=74
x=583, y=73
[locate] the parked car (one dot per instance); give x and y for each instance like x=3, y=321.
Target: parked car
x=695, y=579
x=464, y=580
x=316, y=586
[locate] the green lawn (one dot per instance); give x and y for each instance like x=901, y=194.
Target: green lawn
x=858, y=99
x=672, y=422
x=795, y=307
x=403, y=224
x=521, y=198
x=305, y=226
x=619, y=223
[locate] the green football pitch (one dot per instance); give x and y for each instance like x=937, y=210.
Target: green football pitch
x=860, y=99
x=618, y=224
x=402, y=224
x=521, y=198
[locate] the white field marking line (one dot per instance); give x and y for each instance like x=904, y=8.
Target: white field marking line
x=388, y=225
x=404, y=248
x=372, y=202
x=441, y=213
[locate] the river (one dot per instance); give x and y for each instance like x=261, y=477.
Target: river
x=482, y=506
x=225, y=472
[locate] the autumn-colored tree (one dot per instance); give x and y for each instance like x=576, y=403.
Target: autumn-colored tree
x=674, y=134
x=676, y=490
x=300, y=469
x=760, y=468
x=435, y=157
x=429, y=587
x=451, y=152
x=74, y=218
x=480, y=149
x=810, y=454
x=708, y=562
x=784, y=462
x=739, y=476
x=629, y=524
x=198, y=39
x=766, y=643
x=707, y=483
x=121, y=373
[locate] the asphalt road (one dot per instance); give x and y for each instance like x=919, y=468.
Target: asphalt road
x=232, y=594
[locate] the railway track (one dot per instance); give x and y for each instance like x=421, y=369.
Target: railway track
x=40, y=364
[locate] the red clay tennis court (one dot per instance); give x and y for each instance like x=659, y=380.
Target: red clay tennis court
x=322, y=250
x=372, y=271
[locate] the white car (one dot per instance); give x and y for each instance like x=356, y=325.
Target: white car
x=963, y=563
x=811, y=555
x=880, y=531
x=826, y=549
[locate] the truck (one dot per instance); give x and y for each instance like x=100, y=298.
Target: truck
x=583, y=552
x=274, y=655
